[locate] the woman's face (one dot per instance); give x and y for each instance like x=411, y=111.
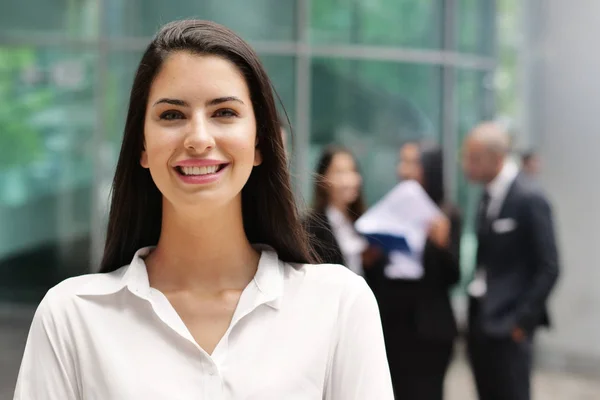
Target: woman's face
x=199, y=131
x=343, y=180
x=409, y=166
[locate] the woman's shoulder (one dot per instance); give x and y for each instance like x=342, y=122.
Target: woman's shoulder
x=330, y=278
x=65, y=295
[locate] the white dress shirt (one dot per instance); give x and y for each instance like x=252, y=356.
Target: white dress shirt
x=299, y=332
x=352, y=244
x=498, y=188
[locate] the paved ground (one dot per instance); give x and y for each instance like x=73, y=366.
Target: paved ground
x=546, y=385
x=12, y=342
x=459, y=385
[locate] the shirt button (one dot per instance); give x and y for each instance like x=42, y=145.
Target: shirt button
x=212, y=372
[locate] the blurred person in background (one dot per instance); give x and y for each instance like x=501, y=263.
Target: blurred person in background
x=205, y=290
x=338, y=203
x=517, y=267
x=530, y=163
x=418, y=321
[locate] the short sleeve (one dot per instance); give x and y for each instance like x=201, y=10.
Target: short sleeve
x=47, y=370
x=359, y=368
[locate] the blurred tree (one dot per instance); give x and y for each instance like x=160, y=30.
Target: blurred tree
x=20, y=141
x=406, y=23
x=509, y=44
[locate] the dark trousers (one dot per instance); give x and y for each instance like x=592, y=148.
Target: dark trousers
x=501, y=367
x=418, y=367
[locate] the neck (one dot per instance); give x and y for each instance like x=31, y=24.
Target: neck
x=209, y=253
x=343, y=208
x=496, y=173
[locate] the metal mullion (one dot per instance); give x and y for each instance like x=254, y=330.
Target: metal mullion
x=301, y=137
x=449, y=138
x=97, y=230
x=446, y=57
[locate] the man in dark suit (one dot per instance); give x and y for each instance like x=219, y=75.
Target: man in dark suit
x=517, y=267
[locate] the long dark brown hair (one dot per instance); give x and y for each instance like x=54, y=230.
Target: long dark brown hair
x=432, y=162
x=321, y=196
x=269, y=212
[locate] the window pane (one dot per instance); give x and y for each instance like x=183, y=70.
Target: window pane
x=257, y=19
x=410, y=23
x=46, y=127
x=65, y=17
x=373, y=107
x=475, y=23
x=121, y=71
x=281, y=71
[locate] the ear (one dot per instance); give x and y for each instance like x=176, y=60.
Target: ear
x=144, y=159
x=257, y=155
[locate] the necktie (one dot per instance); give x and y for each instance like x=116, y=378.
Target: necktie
x=482, y=226
x=482, y=214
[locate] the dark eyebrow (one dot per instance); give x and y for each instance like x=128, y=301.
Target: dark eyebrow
x=213, y=102
x=220, y=100
x=174, y=102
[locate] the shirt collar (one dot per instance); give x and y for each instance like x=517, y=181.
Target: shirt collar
x=503, y=180
x=336, y=217
x=268, y=279
x=133, y=276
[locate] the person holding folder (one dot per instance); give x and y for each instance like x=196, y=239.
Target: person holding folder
x=412, y=290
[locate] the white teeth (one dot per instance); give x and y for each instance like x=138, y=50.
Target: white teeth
x=199, y=170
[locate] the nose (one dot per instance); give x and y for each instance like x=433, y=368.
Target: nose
x=199, y=138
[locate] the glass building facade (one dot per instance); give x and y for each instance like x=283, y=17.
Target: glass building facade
x=369, y=74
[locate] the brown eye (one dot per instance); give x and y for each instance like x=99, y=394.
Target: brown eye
x=171, y=115
x=225, y=113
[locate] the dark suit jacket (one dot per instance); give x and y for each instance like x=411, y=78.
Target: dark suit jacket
x=421, y=308
x=519, y=253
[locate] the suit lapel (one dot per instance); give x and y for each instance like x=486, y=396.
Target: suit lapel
x=508, y=199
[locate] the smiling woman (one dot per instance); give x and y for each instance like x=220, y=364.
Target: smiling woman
x=206, y=290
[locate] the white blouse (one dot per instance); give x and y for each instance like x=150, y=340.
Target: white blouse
x=299, y=332
x=352, y=244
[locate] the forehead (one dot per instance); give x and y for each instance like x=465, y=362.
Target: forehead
x=191, y=76
x=409, y=151
x=473, y=145
x=342, y=160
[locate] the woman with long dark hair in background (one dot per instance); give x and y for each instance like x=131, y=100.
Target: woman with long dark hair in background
x=418, y=321
x=338, y=203
x=206, y=290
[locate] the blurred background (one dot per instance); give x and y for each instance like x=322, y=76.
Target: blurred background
x=370, y=74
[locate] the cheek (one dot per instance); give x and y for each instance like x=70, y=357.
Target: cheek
x=241, y=144
x=241, y=149
x=159, y=148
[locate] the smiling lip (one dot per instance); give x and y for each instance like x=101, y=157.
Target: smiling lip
x=202, y=179
x=201, y=164
x=198, y=163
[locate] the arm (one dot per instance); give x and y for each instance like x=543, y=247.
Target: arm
x=538, y=217
x=47, y=370
x=445, y=251
x=374, y=262
x=452, y=256
x=359, y=368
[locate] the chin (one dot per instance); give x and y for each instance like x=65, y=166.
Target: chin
x=203, y=203
x=351, y=201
